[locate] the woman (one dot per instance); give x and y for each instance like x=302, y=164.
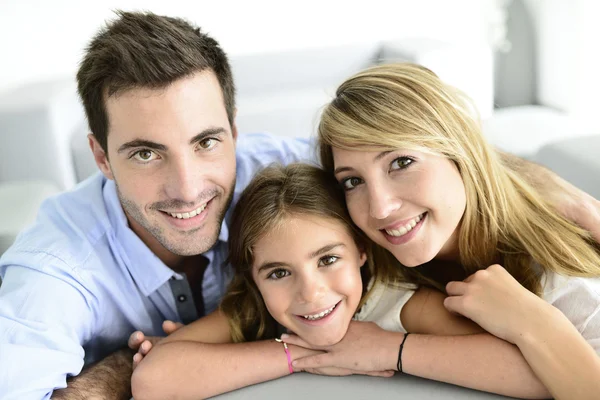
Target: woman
x=422, y=182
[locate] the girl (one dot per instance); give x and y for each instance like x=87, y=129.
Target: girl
x=421, y=181
x=299, y=265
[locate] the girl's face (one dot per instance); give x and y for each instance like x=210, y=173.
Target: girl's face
x=408, y=202
x=308, y=273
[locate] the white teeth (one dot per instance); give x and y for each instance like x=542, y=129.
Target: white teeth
x=403, y=230
x=319, y=315
x=188, y=214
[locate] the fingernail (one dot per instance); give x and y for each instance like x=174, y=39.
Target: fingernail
x=294, y=363
x=285, y=336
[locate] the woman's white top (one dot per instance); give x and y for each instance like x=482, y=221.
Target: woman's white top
x=579, y=301
x=577, y=298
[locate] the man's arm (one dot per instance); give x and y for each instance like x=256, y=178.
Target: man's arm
x=571, y=202
x=107, y=379
x=43, y=322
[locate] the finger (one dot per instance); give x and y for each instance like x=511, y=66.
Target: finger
x=316, y=361
x=384, y=374
x=137, y=358
x=456, y=288
x=135, y=339
x=296, y=341
x=170, y=326
x=145, y=347
x=455, y=304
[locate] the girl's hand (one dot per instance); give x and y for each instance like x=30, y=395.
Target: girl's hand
x=494, y=300
x=365, y=349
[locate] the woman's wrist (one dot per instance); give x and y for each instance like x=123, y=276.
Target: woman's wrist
x=536, y=327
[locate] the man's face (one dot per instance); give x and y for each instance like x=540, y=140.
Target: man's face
x=171, y=152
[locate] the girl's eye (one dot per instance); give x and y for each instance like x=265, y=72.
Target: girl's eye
x=207, y=143
x=328, y=260
x=144, y=155
x=278, y=274
x=401, y=163
x=351, y=183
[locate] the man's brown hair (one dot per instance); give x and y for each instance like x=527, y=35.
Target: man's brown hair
x=150, y=51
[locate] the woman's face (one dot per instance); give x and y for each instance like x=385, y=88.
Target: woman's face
x=308, y=273
x=408, y=202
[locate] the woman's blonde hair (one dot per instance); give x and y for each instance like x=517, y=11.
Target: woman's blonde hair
x=275, y=194
x=406, y=106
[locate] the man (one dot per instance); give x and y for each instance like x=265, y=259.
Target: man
x=145, y=240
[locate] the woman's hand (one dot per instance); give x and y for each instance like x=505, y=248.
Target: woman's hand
x=365, y=349
x=494, y=300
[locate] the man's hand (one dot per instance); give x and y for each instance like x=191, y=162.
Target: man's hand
x=365, y=349
x=142, y=344
x=572, y=203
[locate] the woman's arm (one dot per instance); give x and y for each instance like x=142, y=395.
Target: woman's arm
x=444, y=347
x=199, y=361
x=555, y=350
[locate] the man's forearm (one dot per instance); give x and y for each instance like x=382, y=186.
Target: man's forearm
x=107, y=379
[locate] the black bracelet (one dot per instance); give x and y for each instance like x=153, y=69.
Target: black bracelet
x=399, y=363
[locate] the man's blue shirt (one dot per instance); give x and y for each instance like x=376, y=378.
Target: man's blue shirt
x=80, y=281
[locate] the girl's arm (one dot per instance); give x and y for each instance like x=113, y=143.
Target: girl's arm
x=199, y=361
x=555, y=350
x=443, y=346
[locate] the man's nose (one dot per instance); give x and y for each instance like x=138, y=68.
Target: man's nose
x=184, y=180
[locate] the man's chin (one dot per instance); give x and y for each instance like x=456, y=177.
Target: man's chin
x=191, y=244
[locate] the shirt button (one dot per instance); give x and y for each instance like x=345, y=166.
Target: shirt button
x=181, y=298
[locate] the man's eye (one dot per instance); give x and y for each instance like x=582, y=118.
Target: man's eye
x=207, y=143
x=328, y=260
x=401, y=163
x=144, y=155
x=351, y=183
x=278, y=274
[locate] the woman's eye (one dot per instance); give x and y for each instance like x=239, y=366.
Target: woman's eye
x=351, y=183
x=328, y=260
x=278, y=274
x=144, y=155
x=207, y=143
x=401, y=163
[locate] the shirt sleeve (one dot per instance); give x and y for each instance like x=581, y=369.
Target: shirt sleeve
x=579, y=300
x=44, y=319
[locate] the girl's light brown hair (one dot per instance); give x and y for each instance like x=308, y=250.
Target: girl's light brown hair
x=406, y=106
x=274, y=195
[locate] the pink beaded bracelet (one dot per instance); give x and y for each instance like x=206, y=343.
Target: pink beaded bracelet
x=287, y=354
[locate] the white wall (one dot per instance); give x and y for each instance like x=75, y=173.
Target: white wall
x=42, y=39
x=569, y=57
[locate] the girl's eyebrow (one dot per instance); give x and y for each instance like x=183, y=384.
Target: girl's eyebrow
x=277, y=264
x=325, y=249
x=270, y=265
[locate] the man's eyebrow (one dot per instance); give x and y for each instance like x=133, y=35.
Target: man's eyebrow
x=375, y=159
x=206, y=133
x=141, y=143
